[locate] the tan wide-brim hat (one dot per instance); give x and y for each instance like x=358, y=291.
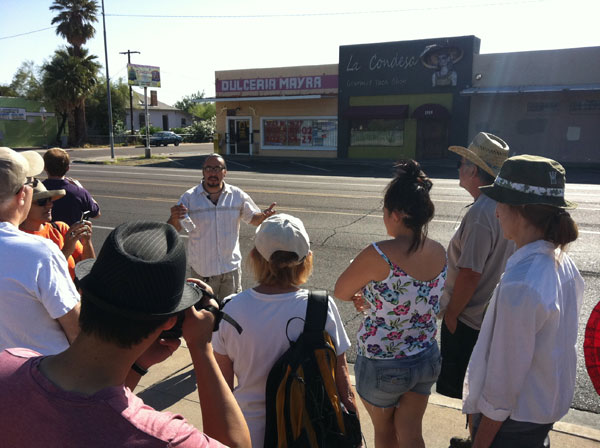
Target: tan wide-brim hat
x=487, y=151
x=40, y=192
x=16, y=167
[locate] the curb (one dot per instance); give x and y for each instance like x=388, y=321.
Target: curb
x=570, y=429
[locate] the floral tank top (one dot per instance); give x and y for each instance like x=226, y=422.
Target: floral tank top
x=402, y=319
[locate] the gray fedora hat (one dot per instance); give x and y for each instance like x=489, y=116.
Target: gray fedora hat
x=528, y=179
x=139, y=273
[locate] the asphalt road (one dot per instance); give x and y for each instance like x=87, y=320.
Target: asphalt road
x=340, y=204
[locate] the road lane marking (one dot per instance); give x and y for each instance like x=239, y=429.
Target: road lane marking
x=302, y=210
x=310, y=166
x=238, y=163
x=435, y=189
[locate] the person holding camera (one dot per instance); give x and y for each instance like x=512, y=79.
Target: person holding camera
x=131, y=293
x=215, y=209
x=75, y=242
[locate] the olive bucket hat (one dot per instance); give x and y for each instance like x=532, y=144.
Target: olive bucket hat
x=528, y=179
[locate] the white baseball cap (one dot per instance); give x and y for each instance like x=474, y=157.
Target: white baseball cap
x=282, y=232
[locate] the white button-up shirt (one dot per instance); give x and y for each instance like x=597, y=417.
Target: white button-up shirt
x=213, y=246
x=524, y=363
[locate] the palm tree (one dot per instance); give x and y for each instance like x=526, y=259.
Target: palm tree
x=75, y=18
x=67, y=81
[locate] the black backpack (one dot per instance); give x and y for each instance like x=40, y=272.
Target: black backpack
x=302, y=401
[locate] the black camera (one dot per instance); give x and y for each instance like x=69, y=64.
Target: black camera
x=176, y=332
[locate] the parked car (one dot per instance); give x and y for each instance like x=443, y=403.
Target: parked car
x=164, y=138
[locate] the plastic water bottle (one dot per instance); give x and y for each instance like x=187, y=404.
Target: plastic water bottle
x=187, y=223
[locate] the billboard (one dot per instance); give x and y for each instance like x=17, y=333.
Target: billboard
x=143, y=75
x=12, y=113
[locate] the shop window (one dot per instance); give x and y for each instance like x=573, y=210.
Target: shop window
x=377, y=132
x=300, y=133
x=542, y=106
x=585, y=106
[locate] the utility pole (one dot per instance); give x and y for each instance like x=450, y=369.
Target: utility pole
x=110, y=120
x=129, y=53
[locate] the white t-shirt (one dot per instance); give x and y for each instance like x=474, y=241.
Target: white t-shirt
x=35, y=290
x=263, y=318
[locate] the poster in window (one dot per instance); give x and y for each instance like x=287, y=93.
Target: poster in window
x=294, y=128
x=275, y=132
x=307, y=133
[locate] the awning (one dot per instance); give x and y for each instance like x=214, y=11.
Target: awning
x=262, y=98
x=530, y=89
x=431, y=111
x=377, y=112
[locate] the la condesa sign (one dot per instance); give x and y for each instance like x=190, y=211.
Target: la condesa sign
x=143, y=75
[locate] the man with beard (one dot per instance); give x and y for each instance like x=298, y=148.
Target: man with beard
x=216, y=209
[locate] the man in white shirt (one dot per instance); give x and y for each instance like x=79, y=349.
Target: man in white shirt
x=39, y=302
x=216, y=209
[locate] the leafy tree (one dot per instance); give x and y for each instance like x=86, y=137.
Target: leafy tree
x=74, y=19
x=26, y=82
x=201, y=111
x=67, y=81
x=201, y=131
x=97, y=105
x=7, y=90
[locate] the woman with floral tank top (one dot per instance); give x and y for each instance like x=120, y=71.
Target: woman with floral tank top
x=397, y=283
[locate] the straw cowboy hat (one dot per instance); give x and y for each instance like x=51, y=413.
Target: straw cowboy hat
x=487, y=151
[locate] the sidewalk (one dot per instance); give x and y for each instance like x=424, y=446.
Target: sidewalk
x=171, y=386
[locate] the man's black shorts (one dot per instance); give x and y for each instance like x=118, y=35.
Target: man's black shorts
x=456, y=351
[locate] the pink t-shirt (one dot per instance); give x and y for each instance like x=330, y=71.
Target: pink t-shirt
x=35, y=412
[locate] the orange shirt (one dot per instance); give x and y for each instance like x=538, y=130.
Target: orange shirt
x=57, y=234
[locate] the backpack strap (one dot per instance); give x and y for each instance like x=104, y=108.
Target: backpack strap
x=316, y=311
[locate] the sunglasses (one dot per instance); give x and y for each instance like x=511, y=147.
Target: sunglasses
x=43, y=202
x=31, y=181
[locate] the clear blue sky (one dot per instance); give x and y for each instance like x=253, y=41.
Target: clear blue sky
x=249, y=34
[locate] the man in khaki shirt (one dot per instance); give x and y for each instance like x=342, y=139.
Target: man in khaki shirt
x=477, y=255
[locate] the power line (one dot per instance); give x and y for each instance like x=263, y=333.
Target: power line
x=325, y=14
x=28, y=32
x=315, y=14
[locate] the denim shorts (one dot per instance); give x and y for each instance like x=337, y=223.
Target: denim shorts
x=381, y=382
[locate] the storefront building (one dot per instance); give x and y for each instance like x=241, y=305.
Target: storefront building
x=285, y=112
x=541, y=102
x=402, y=99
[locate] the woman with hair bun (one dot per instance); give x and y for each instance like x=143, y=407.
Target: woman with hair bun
x=402, y=280
x=521, y=376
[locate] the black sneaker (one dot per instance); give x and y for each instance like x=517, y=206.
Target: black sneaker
x=460, y=442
